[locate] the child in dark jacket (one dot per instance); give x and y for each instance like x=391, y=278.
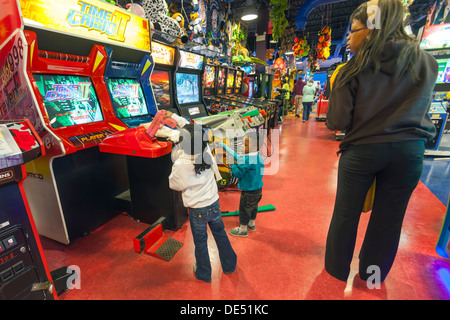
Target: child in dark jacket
x=249, y=169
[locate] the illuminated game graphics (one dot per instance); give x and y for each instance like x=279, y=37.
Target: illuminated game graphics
x=69, y=100
x=161, y=86
x=187, y=88
x=127, y=97
x=209, y=76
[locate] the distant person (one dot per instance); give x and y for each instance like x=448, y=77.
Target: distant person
x=298, y=93
x=195, y=174
x=309, y=93
x=287, y=95
x=380, y=99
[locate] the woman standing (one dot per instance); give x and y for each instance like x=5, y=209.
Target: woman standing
x=380, y=99
x=309, y=92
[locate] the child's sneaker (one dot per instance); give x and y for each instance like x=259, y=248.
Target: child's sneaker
x=251, y=228
x=238, y=233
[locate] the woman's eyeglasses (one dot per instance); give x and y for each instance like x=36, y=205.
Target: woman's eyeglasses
x=354, y=31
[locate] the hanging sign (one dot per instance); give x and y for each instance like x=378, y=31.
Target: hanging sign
x=89, y=18
x=162, y=54
x=190, y=60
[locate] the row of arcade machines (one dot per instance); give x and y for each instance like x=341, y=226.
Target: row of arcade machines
x=77, y=93
x=87, y=102
x=85, y=179
x=227, y=89
x=435, y=41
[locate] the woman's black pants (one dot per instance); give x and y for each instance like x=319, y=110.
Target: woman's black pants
x=397, y=168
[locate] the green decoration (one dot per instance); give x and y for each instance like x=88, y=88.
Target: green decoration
x=278, y=17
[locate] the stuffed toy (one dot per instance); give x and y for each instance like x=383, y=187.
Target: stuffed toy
x=157, y=12
x=196, y=27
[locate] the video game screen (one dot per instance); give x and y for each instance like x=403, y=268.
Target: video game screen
x=436, y=37
x=239, y=80
x=444, y=71
x=221, y=78
x=127, y=97
x=187, y=87
x=69, y=100
x=209, y=77
x=230, y=78
x=161, y=87
x=250, y=88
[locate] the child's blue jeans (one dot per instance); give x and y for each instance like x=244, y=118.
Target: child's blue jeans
x=248, y=205
x=199, y=218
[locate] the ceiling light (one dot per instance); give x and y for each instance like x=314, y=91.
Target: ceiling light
x=289, y=53
x=250, y=12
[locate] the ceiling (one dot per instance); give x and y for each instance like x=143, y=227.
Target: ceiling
x=336, y=15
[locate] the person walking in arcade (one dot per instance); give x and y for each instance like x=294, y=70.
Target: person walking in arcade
x=298, y=93
x=309, y=92
x=380, y=99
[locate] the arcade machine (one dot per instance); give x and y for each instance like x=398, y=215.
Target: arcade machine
x=78, y=185
x=210, y=88
x=188, y=84
x=215, y=98
x=24, y=273
x=209, y=81
x=162, y=77
x=435, y=40
x=149, y=165
x=133, y=101
x=72, y=189
x=130, y=89
x=267, y=107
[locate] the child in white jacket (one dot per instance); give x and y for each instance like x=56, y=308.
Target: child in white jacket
x=195, y=174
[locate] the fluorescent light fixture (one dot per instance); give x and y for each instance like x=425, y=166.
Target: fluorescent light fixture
x=250, y=12
x=289, y=53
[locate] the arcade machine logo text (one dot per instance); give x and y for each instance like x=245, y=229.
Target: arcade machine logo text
x=128, y=90
x=95, y=18
x=62, y=91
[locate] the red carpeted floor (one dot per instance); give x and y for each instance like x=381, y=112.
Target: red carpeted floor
x=282, y=259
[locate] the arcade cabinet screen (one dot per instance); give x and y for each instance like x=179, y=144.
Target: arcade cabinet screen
x=436, y=37
x=69, y=100
x=444, y=71
x=230, y=79
x=209, y=77
x=239, y=80
x=221, y=79
x=161, y=86
x=127, y=97
x=250, y=88
x=187, y=88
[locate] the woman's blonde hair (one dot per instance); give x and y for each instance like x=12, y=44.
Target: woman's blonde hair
x=390, y=27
